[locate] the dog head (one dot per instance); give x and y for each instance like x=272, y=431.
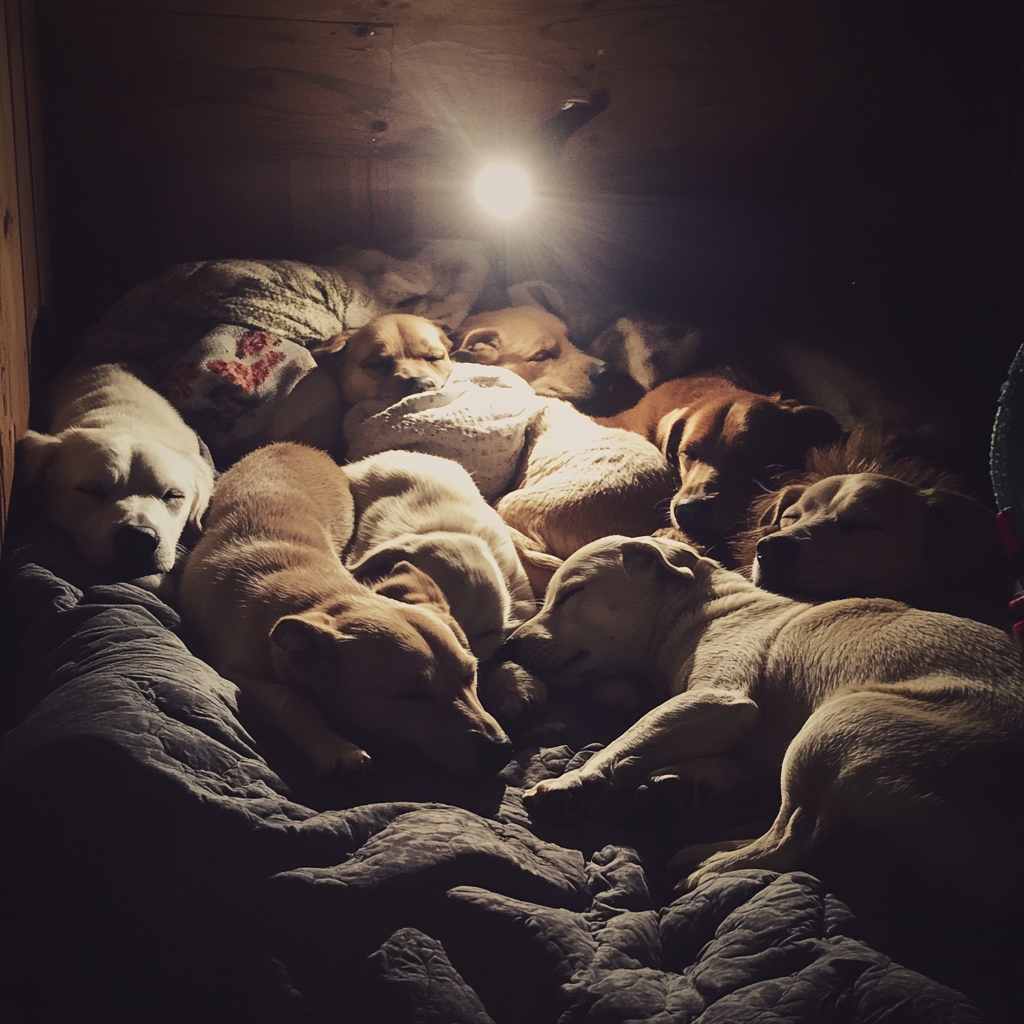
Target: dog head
x=870, y=535
x=466, y=572
x=602, y=606
x=532, y=343
x=728, y=445
x=125, y=502
x=391, y=357
x=395, y=668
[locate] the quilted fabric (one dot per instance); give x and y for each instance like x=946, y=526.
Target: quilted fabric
x=166, y=861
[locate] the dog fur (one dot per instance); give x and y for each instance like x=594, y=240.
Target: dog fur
x=900, y=724
x=579, y=481
x=392, y=356
x=728, y=445
x=119, y=471
x=534, y=344
x=320, y=655
x=863, y=522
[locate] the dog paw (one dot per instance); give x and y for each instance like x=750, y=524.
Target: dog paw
x=671, y=795
x=695, y=864
x=565, y=799
x=511, y=693
x=348, y=766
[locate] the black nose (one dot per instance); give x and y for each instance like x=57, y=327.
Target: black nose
x=510, y=650
x=493, y=753
x=416, y=385
x=601, y=377
x=693, y=515
x=134, y=548
x=777, y=551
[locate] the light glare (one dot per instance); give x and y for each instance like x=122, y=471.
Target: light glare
x=503, y=189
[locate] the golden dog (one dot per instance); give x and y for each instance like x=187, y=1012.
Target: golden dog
x=393, y=356
x=728, y=444
x=532, y=343
x=901, y=724
x=319, y=654
x=859, y=522
x=120, y=471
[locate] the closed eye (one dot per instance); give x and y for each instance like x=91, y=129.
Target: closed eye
x=93, y=490
x=566, y=594
x=434, y=359
x=540, y=357
x=174, y=495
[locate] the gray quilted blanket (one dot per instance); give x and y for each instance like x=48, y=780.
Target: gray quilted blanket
x=165, y=861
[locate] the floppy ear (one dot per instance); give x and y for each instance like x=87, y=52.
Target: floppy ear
x=410, y=585
x=481, y=345
x=442, y=335
x=669, y=434
x=35, y=454
x=335, y=343
x=783, y=499
x=813, y=427
x=648, y=558
x=303, y=642
x=376, y=564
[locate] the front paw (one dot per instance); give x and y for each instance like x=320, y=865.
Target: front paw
x=346, y=765
x=695, y=864
x=566, y=799
x=511, y=693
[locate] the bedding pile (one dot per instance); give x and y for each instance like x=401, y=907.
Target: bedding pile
x=166, y=861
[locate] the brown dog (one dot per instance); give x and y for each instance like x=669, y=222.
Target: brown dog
x=532, y=343
x=861, y=523
x=320, y=655
x=393, y=356
x=728, y=444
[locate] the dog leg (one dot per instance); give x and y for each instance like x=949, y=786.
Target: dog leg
x=696, y=723
x=304, y=725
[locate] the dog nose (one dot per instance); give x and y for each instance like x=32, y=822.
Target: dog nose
x=493, y=753
x=693, y=515
x=777, y=551
x=134, y=548
x=417, y=385
x=602, y=377
x=510, y=650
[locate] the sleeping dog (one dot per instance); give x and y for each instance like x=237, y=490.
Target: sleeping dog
x=320, y=655
x=120, y=471
x=727, y=443
x=392, y=356
x=901, y=724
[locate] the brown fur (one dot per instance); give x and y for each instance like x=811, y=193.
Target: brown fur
x=862, y=521
x=727, y=443
x=532, y=343
x=320, y=655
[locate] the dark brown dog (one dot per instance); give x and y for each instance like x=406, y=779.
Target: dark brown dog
x=862, y=522
x=729, y=445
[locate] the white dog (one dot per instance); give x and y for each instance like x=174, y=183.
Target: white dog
x=426, y=510
x=119, y=471
x=902, y=724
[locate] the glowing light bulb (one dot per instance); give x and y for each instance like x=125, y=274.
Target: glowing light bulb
x=503, y=189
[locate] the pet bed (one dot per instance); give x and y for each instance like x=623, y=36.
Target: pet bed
x=167, y=861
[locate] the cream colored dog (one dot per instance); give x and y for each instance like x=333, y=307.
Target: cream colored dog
x=426, y=510
x=580, y=481
x=319, y=654
x=119, y=471
x=392, y=356
x=902, y=724
x=532, y=343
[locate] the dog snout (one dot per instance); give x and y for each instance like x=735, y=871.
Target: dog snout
x=777, y=552
x=693, y=515
x=135, y=549
x=493, y=753
x=510, y=650
x=417, y=385
x=601, y=378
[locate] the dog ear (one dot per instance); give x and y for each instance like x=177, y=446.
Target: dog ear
x=482, y=345
x=301, y=640
x=410, y=585
x=442, y=333
x=335, y=343
x=35, y=453
x=647, y=557
x=771, y=515
x=814, y=427
x=669, y=434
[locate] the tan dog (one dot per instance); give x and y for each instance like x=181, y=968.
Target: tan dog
x=900, y=724
x=728, y=444
x=860, y=522
x=580, y=481
x=120, y=471
x=393, y=356
x=320, y=655
x=532, y=343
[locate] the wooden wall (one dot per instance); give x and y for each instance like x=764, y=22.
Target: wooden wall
x=23, y=268
x=845, y=171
